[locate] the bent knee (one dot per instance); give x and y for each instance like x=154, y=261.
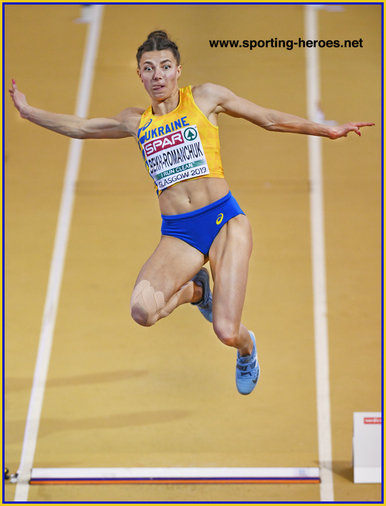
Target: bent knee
x=140, y=315
x=146, y=304
x=227, y=332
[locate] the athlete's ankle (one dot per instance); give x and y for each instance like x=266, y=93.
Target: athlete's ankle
x=246, y=347
x=197, y=293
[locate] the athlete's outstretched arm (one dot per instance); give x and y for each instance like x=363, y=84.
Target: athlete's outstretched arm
x=275, y=121
x=123, y=125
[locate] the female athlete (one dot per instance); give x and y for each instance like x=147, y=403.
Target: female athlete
x=178, y=138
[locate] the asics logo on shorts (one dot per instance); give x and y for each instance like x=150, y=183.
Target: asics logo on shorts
x=219, y=218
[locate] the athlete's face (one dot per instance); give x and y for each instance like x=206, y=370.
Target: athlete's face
x=159, y=73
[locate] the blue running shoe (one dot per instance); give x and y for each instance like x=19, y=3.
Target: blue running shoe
x=205, y=304
x=247, y=370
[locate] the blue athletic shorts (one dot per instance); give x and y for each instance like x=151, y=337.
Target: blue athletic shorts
x=199, y=228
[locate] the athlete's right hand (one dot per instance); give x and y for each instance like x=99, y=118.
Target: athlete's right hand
x=19, y=99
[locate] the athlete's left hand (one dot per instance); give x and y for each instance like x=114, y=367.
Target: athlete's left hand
x=342, y=130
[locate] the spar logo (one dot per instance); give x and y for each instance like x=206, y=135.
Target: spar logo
x=168, y=141
x=190, y=134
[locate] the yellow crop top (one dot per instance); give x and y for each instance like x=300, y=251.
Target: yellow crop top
x=180, y=145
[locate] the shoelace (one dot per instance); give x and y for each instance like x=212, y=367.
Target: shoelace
x=244, y=368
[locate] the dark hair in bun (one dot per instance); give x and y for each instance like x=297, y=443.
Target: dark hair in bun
x=157, y=41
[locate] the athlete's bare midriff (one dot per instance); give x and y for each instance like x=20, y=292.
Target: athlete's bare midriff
x=188, y=196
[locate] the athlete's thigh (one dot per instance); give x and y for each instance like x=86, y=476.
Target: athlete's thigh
x=229, y=261
x=173, y=263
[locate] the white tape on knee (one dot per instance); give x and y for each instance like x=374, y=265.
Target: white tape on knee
x=148, y=298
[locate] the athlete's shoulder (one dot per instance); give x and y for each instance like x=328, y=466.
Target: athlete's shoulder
x=210, y=89
x=212, y=93
x=130, y=118
x=211, y=96
x=130, y=112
